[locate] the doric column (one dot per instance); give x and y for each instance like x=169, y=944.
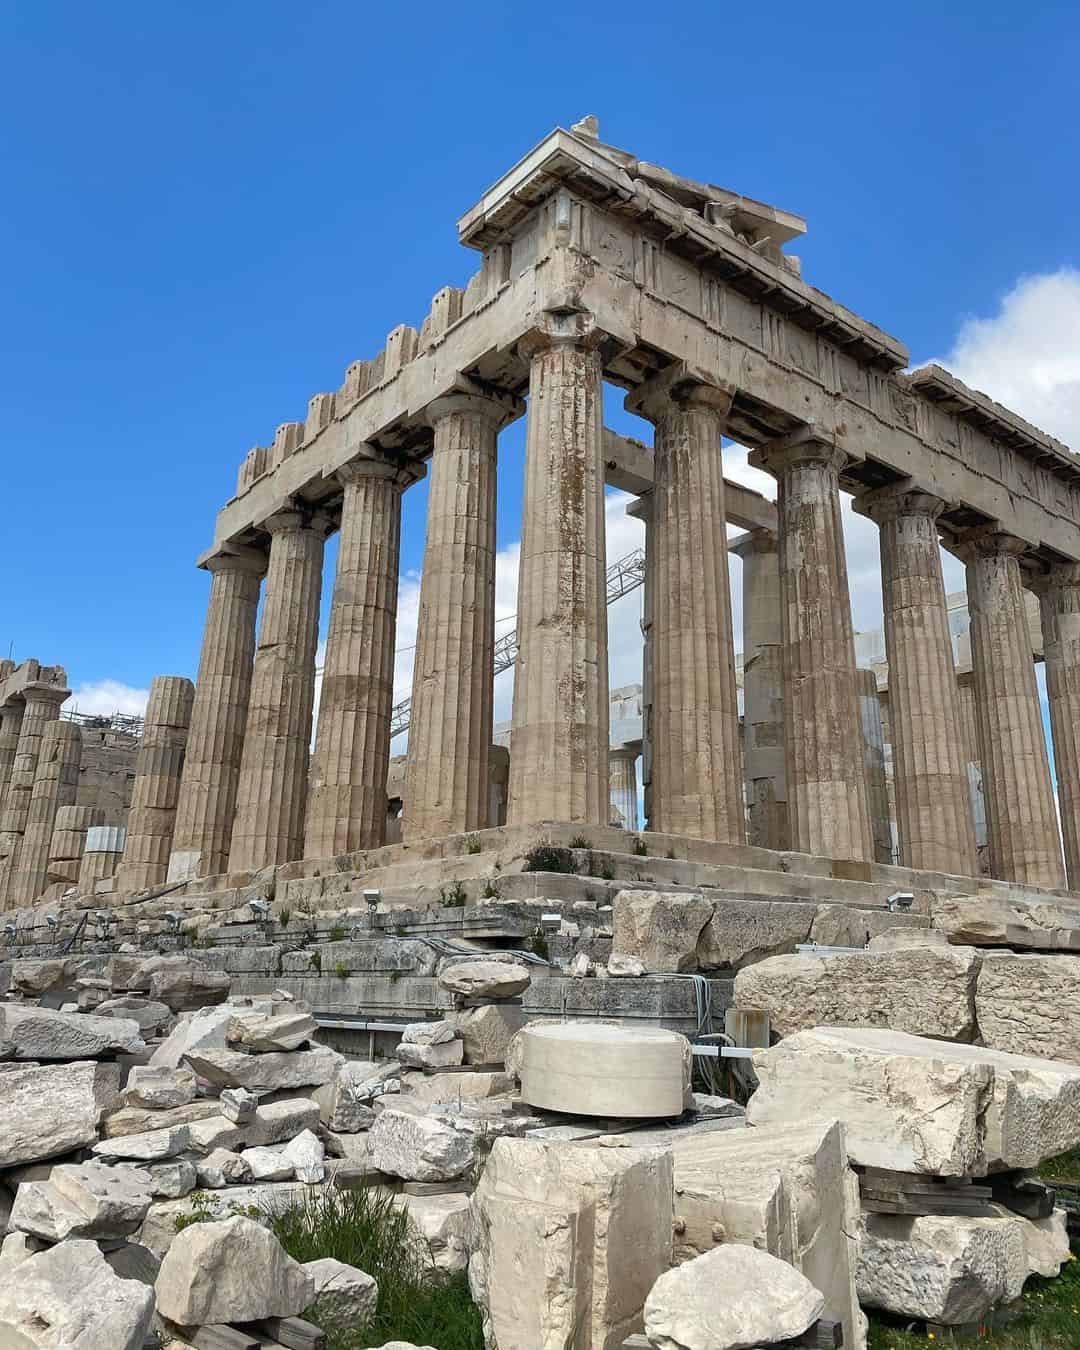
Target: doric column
x=450, y=720
x=269, y=824
x=826, y=779
x=42, y=706
x=68, y=841
x=1059, y=598
x=158, y=769
x=347, y=803
x=642, y=509
x=207, y=802
x=559, y=741
x=763, y=690
x=873, y=746
x=11, y=716
x=697, y=787
x=622, y=768
x=933, y=804
x=56, y=781
x=965, y=692
x=1021, y=821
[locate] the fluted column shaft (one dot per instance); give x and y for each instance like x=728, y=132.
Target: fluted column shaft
x=270, y=798
x=642, y=509
x=11, y=718
x=1022, y=828
x=697, y=787
x=450, y=722
x=763, y=690
x=347, y=805
x=56, y=780
x=559, y=742
x=1059, y=598
x=154, y=794
x=207, y=801
x=873, y=745
x=826, y=778
x=41, y=706
x=933, y=800
x=623, y=773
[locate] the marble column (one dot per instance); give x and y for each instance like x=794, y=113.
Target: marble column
x=450, y=725
x=272, y=790
x=56, y=780
x=826, y=778
x=154, y=794
x=347, y=805
x=763, y=690
x=873, y=745
x=68, y=843
x=1059, y=599
x=642, y=509
x=11, y=717
x=207, y=801
x=42, y=706
x=1022, y=827
x=965, y=692
x=622, y=768
x=933, y=802
x=697, y=787
x=559, y=738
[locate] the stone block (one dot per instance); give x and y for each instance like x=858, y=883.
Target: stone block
x=306, y=1156
x=445, y=1223
x=273, y=1072
x=221, y=1167
x=278, y=1121
x=785, y=1189
x=1030, y=1004
x=48, y=1110
x=268, y=1164
x=85, y=1200
x=33, y=977
x=604, y=1070
x=423, y=1090
x=660, y=928
x=153, y=1146
x=189, y=987
x=155, y=1088
x=346, y=1297
x=68, y=1296
x=262, y=1034
x=159, y=1227
x=763, y=1301
x=485, y=979
x=42, y=1034
x=418, y=1148
x=867, y=989
x=569, y=1242
x=486, y=1033
x=444, y=1055
x=742, y=932
x=151, y=1017
x=428, y=1033
x=202, y=1030
x=238, y=1105
x=996, y=921
x=138, y=1119
x=232, y=1270
x=208, y=1136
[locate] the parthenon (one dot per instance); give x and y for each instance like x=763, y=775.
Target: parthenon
x=596, y=266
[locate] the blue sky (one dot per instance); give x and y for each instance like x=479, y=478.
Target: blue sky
x=211, y=209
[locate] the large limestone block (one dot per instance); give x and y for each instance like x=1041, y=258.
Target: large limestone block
x=732, y=1298
x=346, y=1101
x=199, y=1031
x=994, y=921
x=158, y=1231
x=867, y=989
x=84, y=1200
x=435, y=1089
x=180, y=983
x=69, y=1297
x=445, y=1055
x=273, y=1072
x=570, y=1240
x=741, y=932
x=233, y=1270
x=153, y=1146
x=486, y=1033
x=278, y=1121
x=1030, y=1004
x=33, y=977
x=945, y=1269
x=445, y=1224
x=140, y=1119
x=262, y=1034
x=661, y=928
x=345, y=1296
x=419, y=1148
x=49, y=1110
x=159, y=1089
x=919, y=1105
x=903, y=1105
x=784, y=1189
x=152, y=1017
x=604, y=1070
x=485, y=979
x=44, y=1034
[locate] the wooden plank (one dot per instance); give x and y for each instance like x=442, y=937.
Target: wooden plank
x=294, y=1333
x=221, y=1337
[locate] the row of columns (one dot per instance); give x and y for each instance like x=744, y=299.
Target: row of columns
x=249, y=798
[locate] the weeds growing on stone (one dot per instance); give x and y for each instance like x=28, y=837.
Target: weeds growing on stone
x=580, y=841
x=366, y=1229
x=641, y=848
x=453, y=897
x=284, y=917
x=490, y=890
x=338, y=933
x=341, y=970
x=473, y=844
x=544, y=856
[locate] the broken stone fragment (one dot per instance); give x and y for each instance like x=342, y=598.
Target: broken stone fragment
x=444, y=1055
x=661, y=929
x=1030, y=1004
x=428, y=1033
x=731, y=1298
x=44, y=1034
x=621, y=966
x=230, y=1271
x=49, y=1110
x=307, y=1157
x=68, y=1296
x=263, y=1034
x=159, y=1089
x=86, y=1200
x=238, y=1105
x=486, y=1033
x=345, y=1296
x=151, y=1017
x=485, y=979
x=268, y=1164
x=418, y=1148
x=221, y=1167
x=273, y=1072
x=153, y=1146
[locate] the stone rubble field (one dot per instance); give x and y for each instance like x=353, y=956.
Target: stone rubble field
x=151, y=1124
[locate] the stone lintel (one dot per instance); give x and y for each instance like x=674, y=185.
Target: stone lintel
x=233, y=556
x=753, y=541
x=32, y=675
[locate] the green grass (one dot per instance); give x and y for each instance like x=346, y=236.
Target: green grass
x=1065, y=1167
x=1049, y=1320
x=367, y=1230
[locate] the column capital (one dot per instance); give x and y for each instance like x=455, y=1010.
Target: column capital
x=897, y=499
x=560, y=328
x=402, y=475
x=293, y=518
x=1057, y=577
x=808, y=444
x=469, y=397
x=754, y=542
x=38, y=692
x=235, y=559
x=983, y=541
x=641, y=508
x=680, y=385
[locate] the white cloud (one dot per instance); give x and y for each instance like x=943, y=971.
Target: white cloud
x=104, y=697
